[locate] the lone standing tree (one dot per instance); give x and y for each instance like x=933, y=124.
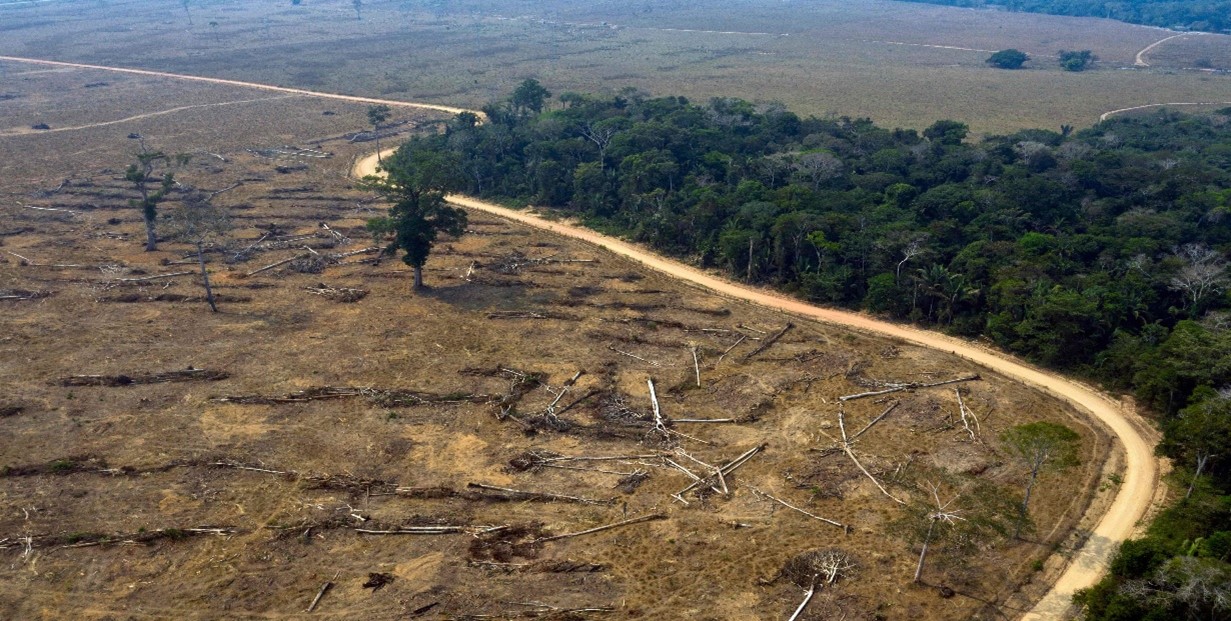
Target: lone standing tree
x=1040, y=446
x=198, y=222
x=376, y=116
x=141, y=174
x=416, y=179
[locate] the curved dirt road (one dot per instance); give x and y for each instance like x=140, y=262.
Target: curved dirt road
x=1106, y=115
x=1140, y=61
x=1140, y=478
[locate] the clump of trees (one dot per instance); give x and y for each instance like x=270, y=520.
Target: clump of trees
x=1076, y=61
x=1008, y=59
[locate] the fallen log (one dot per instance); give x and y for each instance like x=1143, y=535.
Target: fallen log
x=910, y=386
x=768, y=342
x=156, y=277
x=273, y=265
x=186, y=375
x=516, y=494
x=638, y=520
x=844, y=527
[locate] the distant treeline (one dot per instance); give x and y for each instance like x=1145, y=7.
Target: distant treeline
x=1101, y=252
x=1206, y=15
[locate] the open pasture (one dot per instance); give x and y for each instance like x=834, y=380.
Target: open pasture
x=899, y=64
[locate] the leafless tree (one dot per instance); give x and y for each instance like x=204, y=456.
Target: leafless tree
x=600, y=134
x=1203, y=273
x=819, y=166
x=198, y=222
x=912, y=250
x=942, y=514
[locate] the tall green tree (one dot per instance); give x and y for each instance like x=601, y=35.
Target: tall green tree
x=416, y=180
x=376, y=116
x=529, y=97
x=141, y=175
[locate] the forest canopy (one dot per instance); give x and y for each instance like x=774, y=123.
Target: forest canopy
x=1206, y=15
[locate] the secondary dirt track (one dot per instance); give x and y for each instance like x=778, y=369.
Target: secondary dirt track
x=1141, y=476
x=1140, y=480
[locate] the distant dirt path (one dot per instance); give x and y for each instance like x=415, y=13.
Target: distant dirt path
x=1106, y=115
x=24, y=132
x=1140, y=481
x=1141, y=56
x=264, y=87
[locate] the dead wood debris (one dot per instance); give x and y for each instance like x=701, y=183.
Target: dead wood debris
x=515, y=541
x=7, y=410
x=532, y=315
x=378, y=396
x=131, y=298
x=898, y=387
x=599, y=529
x=86, y=540
x=768, y=342
x=80, y=463
x=377, y=581
x=345, y=295
x=492, y=492
x=22, y=295
x=187, y=375
x=513, y=263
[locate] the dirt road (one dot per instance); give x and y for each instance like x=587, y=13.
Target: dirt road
x=1140, y=478
x=225, y=82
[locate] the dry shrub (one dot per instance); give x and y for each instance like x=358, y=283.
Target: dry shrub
x=804, y=569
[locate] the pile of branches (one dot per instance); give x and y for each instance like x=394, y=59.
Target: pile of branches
x=513, y=263
x=187, y=375
x=819, y=566
x=345, y=295
x=22, y=294
x=502, y=546
x=378, y=396
x=85, y=540
x=289, y=151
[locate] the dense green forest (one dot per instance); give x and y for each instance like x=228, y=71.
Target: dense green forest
x=1207, y=15
x=1100, y=252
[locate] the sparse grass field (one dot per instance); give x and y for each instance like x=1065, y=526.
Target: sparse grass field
x=86, y=462
x=827, y=57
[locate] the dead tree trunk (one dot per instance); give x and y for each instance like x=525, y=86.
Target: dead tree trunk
x=209, y=292
x=1202, y=459
x=924, y=553
x=151, y=238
